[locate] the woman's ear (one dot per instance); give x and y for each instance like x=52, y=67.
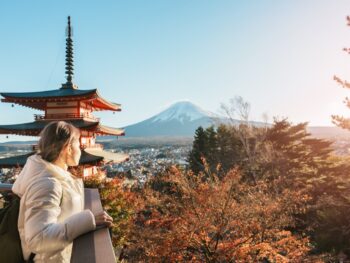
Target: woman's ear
x=66, y=150
x=69, y=148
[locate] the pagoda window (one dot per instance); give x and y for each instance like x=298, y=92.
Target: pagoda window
x=85, y=172
x=88, y=171
x=83, y=140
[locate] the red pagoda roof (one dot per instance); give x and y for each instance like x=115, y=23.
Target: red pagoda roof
x=34, y=128
x=37, y=100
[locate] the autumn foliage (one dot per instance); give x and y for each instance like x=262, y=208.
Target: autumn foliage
x=188, y=217
x=286, y=202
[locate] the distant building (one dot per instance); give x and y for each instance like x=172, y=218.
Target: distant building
x=72, y=105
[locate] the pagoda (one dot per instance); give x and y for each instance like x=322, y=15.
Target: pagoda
x=69, y=104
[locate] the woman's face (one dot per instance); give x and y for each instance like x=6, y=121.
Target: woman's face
x=73, y=152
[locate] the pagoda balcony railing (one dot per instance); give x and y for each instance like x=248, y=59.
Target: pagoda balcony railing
x=62, y=116
x=92, y=247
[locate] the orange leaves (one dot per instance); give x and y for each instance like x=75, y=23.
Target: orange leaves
x=341, y=121
x=208, y=220
x=164, y=223
x=343, y=83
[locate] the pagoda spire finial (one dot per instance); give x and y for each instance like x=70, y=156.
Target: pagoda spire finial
x=69, y=58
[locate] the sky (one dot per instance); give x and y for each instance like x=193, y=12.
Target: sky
x=280, y=56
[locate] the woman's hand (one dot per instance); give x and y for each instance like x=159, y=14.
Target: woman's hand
x=103, y=219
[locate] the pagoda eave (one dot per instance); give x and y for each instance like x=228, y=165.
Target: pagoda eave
x=100, y=105
x=21, y=133
x=87, y=158
x=61, y=93
x=108, y=156
x=104, y=104
x=104, y=130
x=15, y=161
x=34, y=128
x=33, y=105
x=20, y=160
x=38, y=100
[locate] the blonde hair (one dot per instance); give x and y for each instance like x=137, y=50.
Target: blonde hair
x=54, y=137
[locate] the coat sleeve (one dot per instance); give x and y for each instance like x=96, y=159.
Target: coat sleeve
x=41, y=230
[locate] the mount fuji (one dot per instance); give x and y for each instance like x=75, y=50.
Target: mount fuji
x=180, y=119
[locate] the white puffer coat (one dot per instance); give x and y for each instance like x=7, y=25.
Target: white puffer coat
x=51, y=211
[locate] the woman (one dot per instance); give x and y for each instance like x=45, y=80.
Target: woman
x=52, y=211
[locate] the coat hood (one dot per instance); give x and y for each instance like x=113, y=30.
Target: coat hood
x=35, y=168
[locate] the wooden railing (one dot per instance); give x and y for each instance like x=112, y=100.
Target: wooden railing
x=5, y=187
x=95, y=246
x=59, y=116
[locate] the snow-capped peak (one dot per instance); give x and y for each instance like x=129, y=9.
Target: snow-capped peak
x=182, y=111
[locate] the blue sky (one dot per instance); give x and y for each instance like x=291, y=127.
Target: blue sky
x=278, y=55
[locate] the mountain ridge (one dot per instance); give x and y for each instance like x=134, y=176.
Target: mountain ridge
x=180, y=119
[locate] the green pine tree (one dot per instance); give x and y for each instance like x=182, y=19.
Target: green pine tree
x=199, y=150
x=230, y=149
x=212, y=148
